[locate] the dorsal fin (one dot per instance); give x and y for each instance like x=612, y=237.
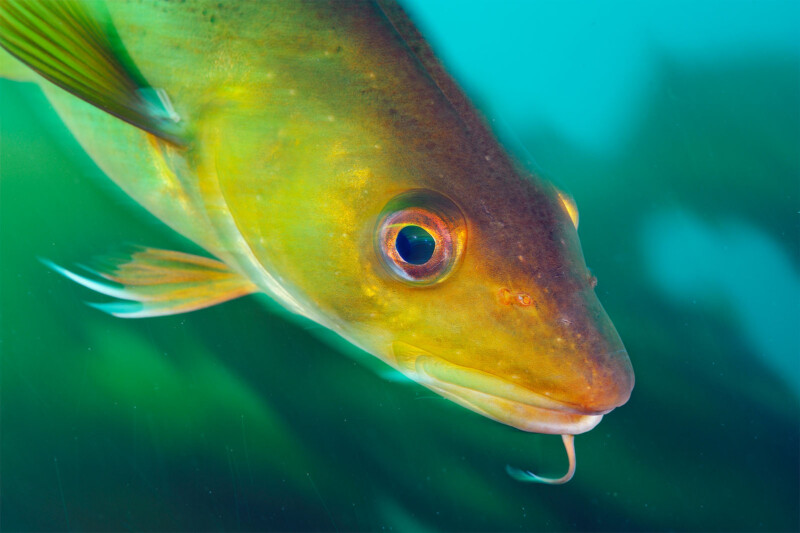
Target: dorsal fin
x=79, y=51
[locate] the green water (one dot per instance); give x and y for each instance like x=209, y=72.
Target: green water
x=676, y=127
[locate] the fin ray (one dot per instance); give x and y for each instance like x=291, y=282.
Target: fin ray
x=152, y=282
x=79, y=52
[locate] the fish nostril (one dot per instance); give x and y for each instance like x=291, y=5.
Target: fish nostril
x=507, y=297
x=504, y=295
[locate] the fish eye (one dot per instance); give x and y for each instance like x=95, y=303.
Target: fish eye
x=420, y=237
x=415, y=245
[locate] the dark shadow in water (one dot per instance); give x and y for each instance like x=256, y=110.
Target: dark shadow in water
x=235, y=418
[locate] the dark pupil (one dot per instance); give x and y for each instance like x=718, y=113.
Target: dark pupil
x=415, y=245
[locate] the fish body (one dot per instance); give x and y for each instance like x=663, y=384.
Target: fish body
x=298, y=142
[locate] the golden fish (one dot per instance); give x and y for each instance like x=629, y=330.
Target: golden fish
x=320, y=152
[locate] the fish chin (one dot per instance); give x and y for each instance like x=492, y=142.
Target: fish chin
x=492, y=396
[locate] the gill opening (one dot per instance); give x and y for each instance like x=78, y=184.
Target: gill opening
x=529, y=477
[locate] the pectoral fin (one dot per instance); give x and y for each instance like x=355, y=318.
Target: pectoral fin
x=157, y=282
x=77, y=48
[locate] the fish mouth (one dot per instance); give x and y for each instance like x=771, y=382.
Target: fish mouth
x=492, y=396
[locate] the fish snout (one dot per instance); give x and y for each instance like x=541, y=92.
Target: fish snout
x=611, y=382
x=601, y=374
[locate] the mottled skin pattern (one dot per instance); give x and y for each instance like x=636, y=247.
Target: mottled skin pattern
x=303, y=119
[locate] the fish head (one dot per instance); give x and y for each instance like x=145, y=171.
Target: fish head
x=384, y=211
x=464, y=273
x=491, y=305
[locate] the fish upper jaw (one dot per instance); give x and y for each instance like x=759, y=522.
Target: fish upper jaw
x=493, y=396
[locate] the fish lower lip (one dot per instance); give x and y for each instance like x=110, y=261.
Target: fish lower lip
x=493, y=396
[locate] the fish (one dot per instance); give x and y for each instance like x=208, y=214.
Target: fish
x=321, y=155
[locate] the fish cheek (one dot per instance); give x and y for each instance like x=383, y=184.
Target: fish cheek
x=509, y=332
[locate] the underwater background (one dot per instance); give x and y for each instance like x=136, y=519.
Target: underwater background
x=676, y=126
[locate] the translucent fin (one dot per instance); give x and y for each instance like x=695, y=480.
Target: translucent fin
x=159, y=282
x=12, y=68
x=530, y=477
x=79, y=51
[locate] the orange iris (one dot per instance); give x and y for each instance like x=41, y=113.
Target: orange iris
x=427, y=216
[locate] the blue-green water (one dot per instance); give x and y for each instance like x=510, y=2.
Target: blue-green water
x=677, y=128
